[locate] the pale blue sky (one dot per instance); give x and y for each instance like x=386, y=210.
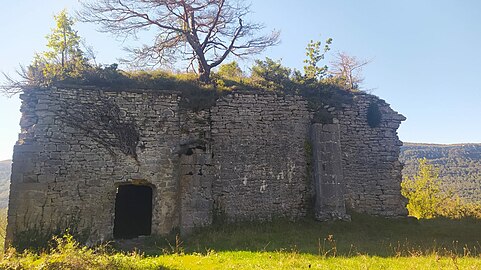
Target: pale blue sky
x=426, y=54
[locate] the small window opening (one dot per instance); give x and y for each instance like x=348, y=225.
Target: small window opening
x=374, y=115
x=133, y=211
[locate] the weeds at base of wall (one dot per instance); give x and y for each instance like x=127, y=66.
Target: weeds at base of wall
x=39, y=238
x=36, y=239
x=176, y=245
x=169, y=244
x=219, y=215
x=172, y=243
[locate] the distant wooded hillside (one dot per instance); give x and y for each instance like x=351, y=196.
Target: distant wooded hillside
x=5, y=169
x=459, y=165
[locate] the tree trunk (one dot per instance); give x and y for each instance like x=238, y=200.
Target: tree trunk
x=204, y=73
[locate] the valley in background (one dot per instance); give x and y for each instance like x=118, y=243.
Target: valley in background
x=459, y=165
x=5, y=170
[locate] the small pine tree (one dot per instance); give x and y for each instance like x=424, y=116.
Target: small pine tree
x=64, y=58
x=314, y=56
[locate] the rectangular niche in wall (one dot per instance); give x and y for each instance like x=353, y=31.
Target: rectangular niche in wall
x=133, y=211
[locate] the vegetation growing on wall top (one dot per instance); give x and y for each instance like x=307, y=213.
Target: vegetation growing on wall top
x=203, y=33
x=65, y=64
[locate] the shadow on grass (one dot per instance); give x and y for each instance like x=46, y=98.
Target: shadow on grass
x=364, y=235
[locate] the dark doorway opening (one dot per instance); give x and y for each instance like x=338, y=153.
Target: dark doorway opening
x=133, y=211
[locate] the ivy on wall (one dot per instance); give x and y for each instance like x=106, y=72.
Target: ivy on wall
x=104, y=122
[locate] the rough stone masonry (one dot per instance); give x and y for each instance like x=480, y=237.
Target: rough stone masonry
x=251, y=156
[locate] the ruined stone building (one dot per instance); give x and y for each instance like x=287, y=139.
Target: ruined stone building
x=118, y=164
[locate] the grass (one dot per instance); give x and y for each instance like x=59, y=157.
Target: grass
x=237, y=260
x=365, y=235
x=280, y=260
x=365, y=243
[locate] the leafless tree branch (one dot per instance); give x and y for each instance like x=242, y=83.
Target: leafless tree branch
x=212, y=29
x=348, y=69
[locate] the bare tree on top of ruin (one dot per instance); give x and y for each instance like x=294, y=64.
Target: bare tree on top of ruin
x=348, y=69
x=201, y=32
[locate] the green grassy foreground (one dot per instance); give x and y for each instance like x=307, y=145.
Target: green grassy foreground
x=365, y=235
x=235, y=260
x=365, y=243
x=279, y=260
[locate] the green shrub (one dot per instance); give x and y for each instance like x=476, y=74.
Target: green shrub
x=66, y=253
x=423, y=192
x=271, y=74
x=230, y=71
x=428, y=200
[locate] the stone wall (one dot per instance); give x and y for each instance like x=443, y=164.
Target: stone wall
x=246, y=158
x=372, y=171
x=260, y=157
x=65, y=174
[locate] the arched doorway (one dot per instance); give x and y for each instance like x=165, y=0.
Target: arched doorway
x=133, y=211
